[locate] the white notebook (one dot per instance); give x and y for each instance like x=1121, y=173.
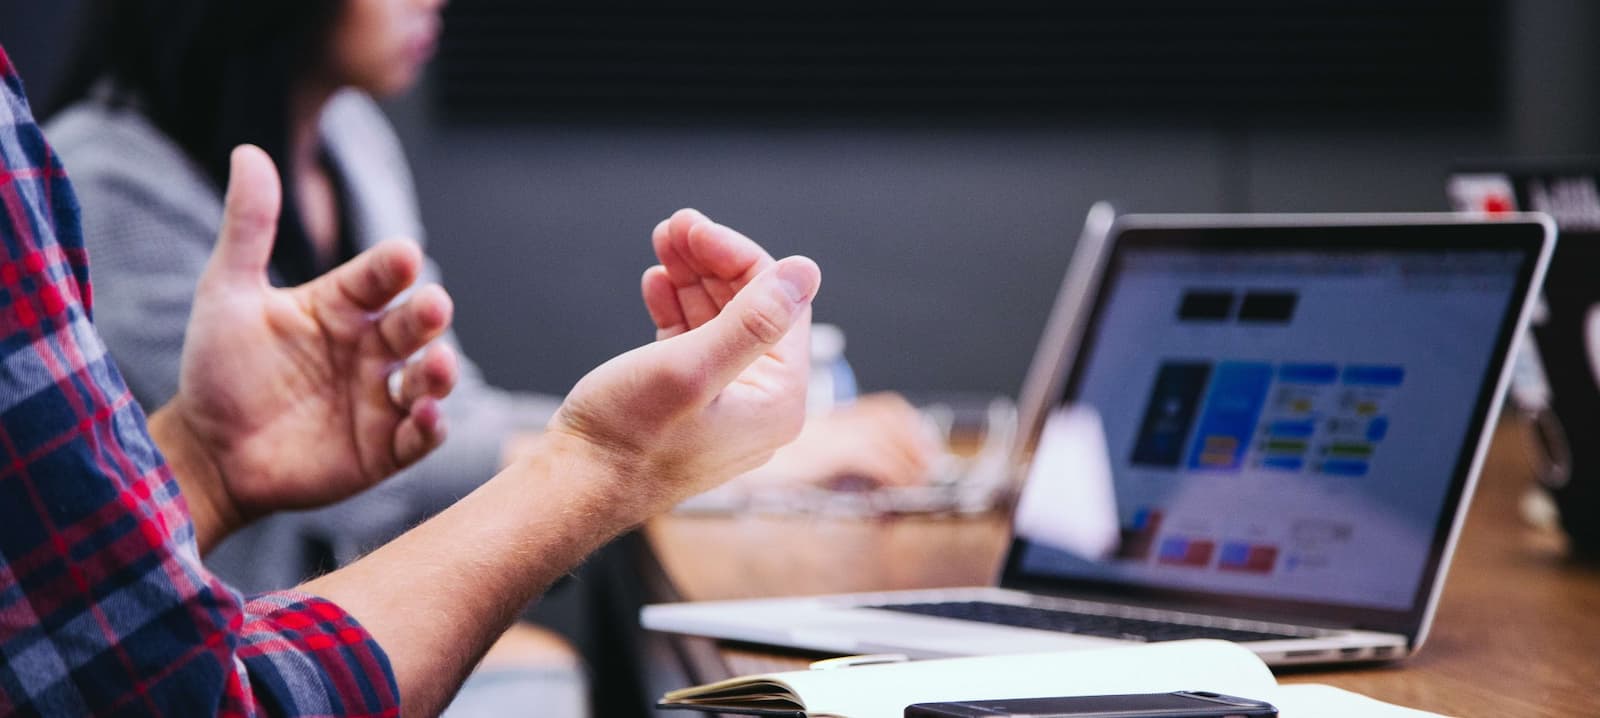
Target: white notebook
x=884, y=691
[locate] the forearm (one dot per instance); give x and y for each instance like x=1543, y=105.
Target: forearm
x=437, y=597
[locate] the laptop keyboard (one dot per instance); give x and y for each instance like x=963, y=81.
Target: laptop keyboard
x=1087, y=624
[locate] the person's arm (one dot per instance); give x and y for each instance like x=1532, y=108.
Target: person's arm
x=436, y=597
x=721, y=390
x=109, y=610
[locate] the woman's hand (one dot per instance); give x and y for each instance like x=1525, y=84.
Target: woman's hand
x=879, y=440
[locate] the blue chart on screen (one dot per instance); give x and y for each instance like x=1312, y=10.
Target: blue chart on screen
x=1229, y=421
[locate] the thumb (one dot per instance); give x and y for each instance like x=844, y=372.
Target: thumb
x=249, y=215
x=756, y=321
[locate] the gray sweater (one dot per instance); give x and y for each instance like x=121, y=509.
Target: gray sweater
x=150, y=217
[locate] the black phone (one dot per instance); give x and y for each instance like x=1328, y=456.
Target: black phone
x=1183, y=704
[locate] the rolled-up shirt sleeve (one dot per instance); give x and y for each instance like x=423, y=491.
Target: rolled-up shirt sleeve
x=306, y=656
x=105, y=607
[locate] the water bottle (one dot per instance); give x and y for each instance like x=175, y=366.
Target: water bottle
x=833, y=382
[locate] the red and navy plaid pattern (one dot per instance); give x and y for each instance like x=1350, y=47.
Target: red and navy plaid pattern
x=105, y=608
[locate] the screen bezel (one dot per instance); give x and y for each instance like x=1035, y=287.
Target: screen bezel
x=1528, y=237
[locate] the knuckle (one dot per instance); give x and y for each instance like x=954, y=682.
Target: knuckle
x=415, y=321
x=763, y=323
x=379, y=275
x=244, y=222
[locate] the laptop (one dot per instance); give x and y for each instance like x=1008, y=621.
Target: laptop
x=1276, y=422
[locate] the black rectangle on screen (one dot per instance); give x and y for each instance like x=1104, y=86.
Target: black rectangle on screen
x=1206, y=305
x=1268, y=307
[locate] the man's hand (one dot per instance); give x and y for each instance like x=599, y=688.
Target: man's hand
x=724, y=385
x=284, y=398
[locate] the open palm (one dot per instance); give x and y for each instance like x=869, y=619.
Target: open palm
x=288, y=390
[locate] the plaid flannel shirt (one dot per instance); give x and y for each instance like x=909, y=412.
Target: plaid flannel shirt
x=105, y=608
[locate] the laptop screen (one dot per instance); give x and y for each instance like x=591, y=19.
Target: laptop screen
x=1287, y=414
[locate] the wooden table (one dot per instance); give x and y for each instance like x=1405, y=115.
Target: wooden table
x=1517, y=631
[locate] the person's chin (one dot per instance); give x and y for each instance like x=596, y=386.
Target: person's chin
x=397, y=81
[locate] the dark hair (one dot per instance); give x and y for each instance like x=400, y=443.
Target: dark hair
x=210, y=74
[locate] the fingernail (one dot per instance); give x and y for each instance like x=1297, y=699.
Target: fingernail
x=795, y=279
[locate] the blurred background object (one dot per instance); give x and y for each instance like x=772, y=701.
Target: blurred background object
x=1557, y=385
x=833, y=382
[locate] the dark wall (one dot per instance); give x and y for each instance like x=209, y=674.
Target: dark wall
x=34, y=35
x=941, y=248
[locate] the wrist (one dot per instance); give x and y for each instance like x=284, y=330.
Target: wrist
x=518, y=444
x=199, y=476
x=606, y=476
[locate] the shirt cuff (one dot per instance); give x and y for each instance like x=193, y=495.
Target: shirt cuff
x=308, y=657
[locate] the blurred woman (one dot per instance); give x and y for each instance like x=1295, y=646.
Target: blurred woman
x=157, y=95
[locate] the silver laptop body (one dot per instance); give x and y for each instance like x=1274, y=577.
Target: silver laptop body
x=1290, y=413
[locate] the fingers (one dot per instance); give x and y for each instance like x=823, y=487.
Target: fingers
x=670, y=241
x=373, y=278
x=879, y=438
x=433, y=375
x=907, y=457
x=423, y=384
x=661, y=301
x=422, y=431
x=903, y=420
x=666, y=242
x=693, y=247
x=422, y=318
x=706, y=262
x=882, y=470
x=724, y=254
x=249, y=216
x=903, y=464
x=754, y=322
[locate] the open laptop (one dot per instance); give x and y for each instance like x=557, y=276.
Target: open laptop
x=1291, y=413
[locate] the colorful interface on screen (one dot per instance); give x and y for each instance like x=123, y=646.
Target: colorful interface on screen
x=1285, y=424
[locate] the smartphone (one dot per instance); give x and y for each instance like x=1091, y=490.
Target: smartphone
x=1184, y=704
